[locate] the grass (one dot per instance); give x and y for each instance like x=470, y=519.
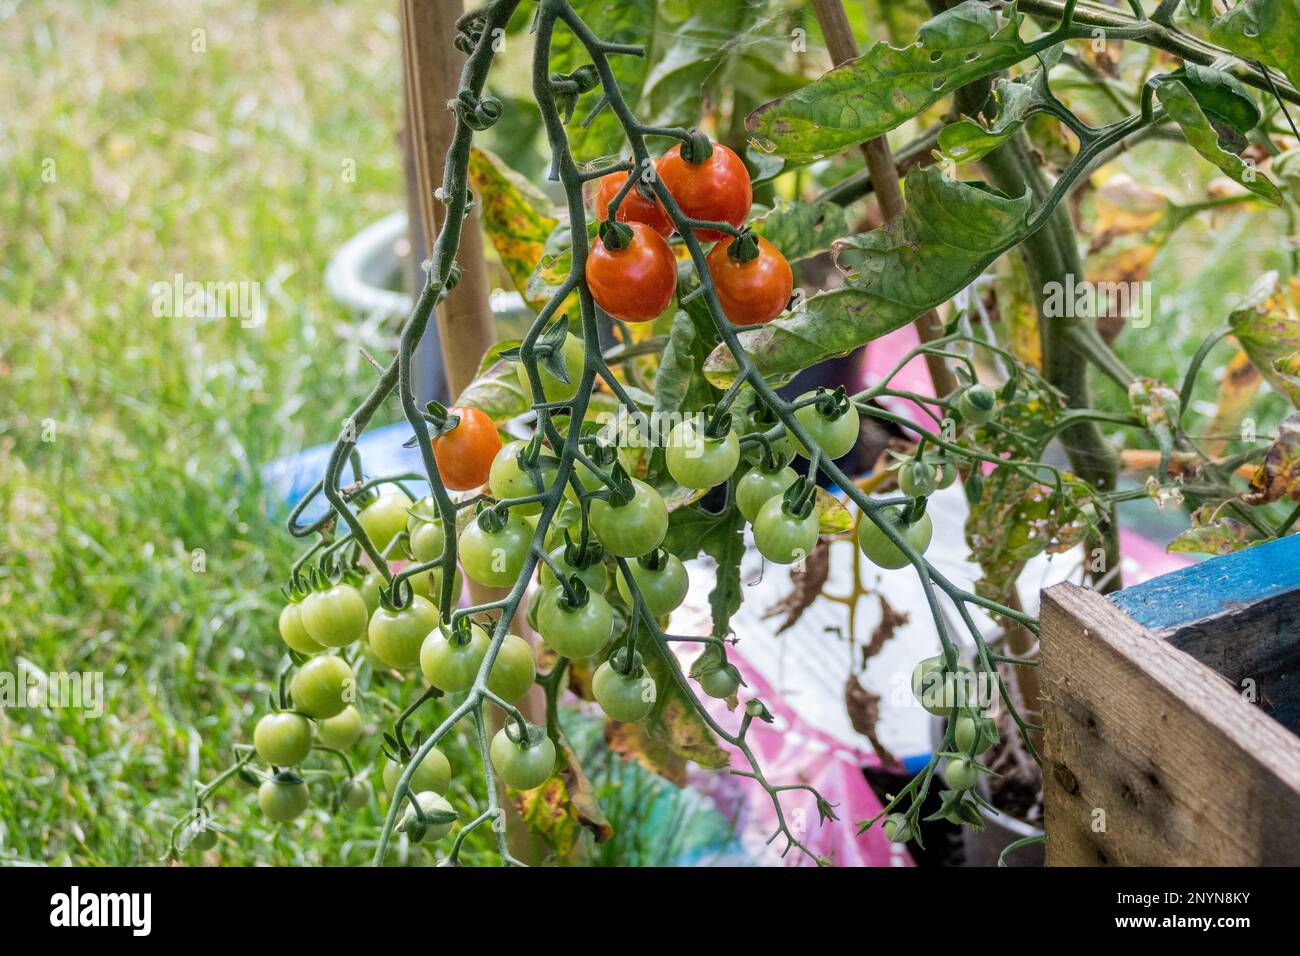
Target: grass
x=134, y=539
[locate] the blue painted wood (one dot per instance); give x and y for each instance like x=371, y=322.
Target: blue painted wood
x=1213, y=586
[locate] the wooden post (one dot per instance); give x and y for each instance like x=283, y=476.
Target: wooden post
x=433, y=65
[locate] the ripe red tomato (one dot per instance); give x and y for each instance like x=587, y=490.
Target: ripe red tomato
x=464, y=455
x=634, y=207
x=717, y=190
x=635, y=283
x=751, y=292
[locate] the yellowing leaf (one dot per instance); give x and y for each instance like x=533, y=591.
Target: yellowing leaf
x=516, y=217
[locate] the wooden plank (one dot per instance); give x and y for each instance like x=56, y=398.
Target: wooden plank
x=1151, y=758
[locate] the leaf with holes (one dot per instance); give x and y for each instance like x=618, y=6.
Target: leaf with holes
x=887, y=86
x=949, y=233
x=969, y=141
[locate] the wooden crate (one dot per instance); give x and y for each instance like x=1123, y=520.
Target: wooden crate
x=1171, y=711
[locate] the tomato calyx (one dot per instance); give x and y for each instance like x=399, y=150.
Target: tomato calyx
x=574, y=593
x=440, y=421
x=696, y=147
x=585, y=554
x=772, y=460
x=717, y=423
x=620, y=491
x=656, y=560
x=830, y=405
x=492, y=519
x=524, y=735
x=744, y=248
x=797, y=501
x=286, y=778
x=629, y=666
x=614, y=235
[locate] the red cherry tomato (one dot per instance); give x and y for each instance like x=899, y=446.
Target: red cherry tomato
x=717, y=190
x=634, y=207
x=464, y=455
x=751, y=292
x=635, y=283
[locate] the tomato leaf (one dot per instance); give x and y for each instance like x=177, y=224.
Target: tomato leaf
x=1279, y=474
x=1186, y=109
x=674, y=720
x=496, y=390
x=566, y=803
x=886, y=86
x=624, y=21
x=1264, y=30
x=950, y=232
x=692, y=531
x=801, y=229
x=968, y=140
x=516, y=216
x=1210, y=534
x=1267, y=327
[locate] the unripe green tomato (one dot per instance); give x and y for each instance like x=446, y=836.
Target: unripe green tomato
x=623, y=697
x=385, y=517
x=758, y=486
x=282, y=740
x=884, y=553
x=968, y=729
x=428, y=541
x=425, y=832
x=356, y=794
x=697, y=461
x=946, y=473
x=369, y=588
x=450, y=663
x=721, y=683
x=323, y=686
x=916, y=479
x=575, y=633
x=507, y=479
x=432, y=773
x=784, y=538
x=294, y=634
x=429, y=586
x=896, y=828
x=283, y=798
x=938, y=692
x=495, y=558
x=977, y=404
x=426, y=507
x=522, y=765
x=396, y=635
x=341, y=731
x=552, y=387
x=593, y=575
x=335, y=617
x=961, y=773
x=632, y=529
x=202, y=837
x=663, y=590
x=515, y=669
x=835, y=435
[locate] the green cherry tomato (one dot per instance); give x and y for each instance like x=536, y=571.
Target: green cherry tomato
x=420, y=832
x=633, y=529
x=369, y=588
x=355, y=794
x=495, y=558
x=294, y=634
x=335, y=617
x=896, y=828
x=552, y=387
x=593, y=575
x=784, y=538
x=945, y=472
x=425, y=508
x=507, y=478
x=385, y=517
x=526, y=764
x=429, y=586
x=961, y=773
x=396, y=636
x=451, y=662
x=575, y=633
x=884, y=553
x=698, y=461
x=721, y=683
x=916, y=479
x=938, y=692
x=514, y=671
x=757, y=486
x=323, y=686
x=970, y=728
x=977, y=404
x=341, y=731
x=202, y=837
x=623, y=697
x=283, y=798
x=428, y=540
x=282, y=740
x=835, y=436
x=432, y=773
x=664, y=589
